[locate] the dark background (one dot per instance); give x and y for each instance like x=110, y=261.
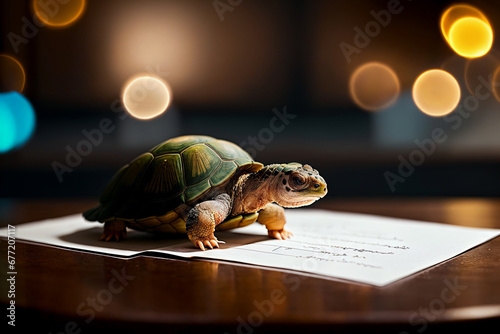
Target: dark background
x=228, y=76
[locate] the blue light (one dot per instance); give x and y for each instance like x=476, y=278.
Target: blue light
x=17, y=121
x=7, y=128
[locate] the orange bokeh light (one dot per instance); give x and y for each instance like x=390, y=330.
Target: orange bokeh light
x=59, y=14
x=12, y=75
x=495, y=83
x=374, y=86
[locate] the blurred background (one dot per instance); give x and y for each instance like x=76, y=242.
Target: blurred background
x=272, y=76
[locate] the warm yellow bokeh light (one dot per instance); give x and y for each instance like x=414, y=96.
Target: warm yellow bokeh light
x=12, y=76
x=467, y=31
x=436, y=93
x=471, y=37
x=146, y=97
x=59, y=14
x=374, y=86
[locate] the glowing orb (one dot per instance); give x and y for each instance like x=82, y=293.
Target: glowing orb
x=471, y=37
x=495, y=83
x=17, y=121
x=146, y=97
x=12, y=76
x=467, y=31
x=479, y=71
x=58, y=14
x=7, y=129
x=436, y=93
x=374, y=86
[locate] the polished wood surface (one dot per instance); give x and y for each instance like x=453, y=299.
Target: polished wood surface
x=59, y=290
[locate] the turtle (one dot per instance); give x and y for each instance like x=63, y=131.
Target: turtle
x=197, y=184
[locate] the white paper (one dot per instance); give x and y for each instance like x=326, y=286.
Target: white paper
x=361, y=248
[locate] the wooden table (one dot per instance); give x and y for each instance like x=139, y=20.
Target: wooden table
x=65, y=291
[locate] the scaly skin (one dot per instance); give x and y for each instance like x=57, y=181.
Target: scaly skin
x=203, y=218
x=289, y=186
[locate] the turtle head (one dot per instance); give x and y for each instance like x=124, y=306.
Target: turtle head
x=297, y=185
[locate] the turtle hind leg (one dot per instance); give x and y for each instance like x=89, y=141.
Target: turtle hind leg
x=114, y=230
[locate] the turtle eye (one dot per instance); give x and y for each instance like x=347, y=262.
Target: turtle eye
x=299, y=181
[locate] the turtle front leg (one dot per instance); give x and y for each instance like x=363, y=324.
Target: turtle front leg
x=202, y=219
x=114, y=229
x=273, y=216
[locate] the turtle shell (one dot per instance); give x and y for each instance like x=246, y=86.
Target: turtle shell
x=157, y=189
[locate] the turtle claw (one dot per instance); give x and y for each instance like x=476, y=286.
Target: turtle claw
x=209, y=244
x=114, y=230
x=280, y=234
x=199, y=244
x=205, y=243
x=117, y=236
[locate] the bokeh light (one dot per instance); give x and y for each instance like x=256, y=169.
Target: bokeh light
x=374, y=86
x=7, y=128
x=12, y=75
x=477, y=72
x=146, y=97
x=467, y=30
x=17, y=121
x=471, y=37
x=59, y=14
x=495, y=83
x=436, y=92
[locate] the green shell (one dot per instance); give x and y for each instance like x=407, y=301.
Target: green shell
x=155, y=191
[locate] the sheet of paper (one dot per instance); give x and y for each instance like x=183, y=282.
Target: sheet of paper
x=361, y=248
